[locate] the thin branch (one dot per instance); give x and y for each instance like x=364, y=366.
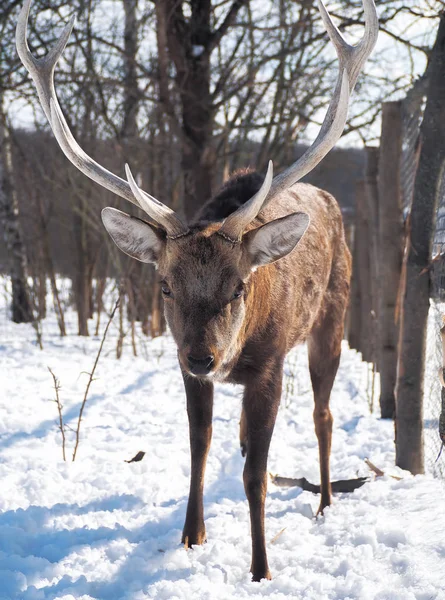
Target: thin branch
x=228, y=21
x=377, y=471
x=59, y=410
x=91, y=378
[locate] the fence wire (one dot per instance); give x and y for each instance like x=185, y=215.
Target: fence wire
x=412, y=113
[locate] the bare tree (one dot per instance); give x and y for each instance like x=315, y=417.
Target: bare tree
x=12, y=233
x=191, y=41
x=130, y=80
x=430, y=172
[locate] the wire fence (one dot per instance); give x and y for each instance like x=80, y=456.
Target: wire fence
x=412, y=113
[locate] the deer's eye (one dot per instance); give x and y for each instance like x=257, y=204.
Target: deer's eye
x=239, y=291
x=166, y=291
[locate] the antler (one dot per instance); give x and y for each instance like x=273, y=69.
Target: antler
x=42, y=73
x=351, y=59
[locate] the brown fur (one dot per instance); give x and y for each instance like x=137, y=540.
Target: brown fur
x=301, y=297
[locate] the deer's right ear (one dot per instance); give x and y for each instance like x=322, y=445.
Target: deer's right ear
x=133, y=236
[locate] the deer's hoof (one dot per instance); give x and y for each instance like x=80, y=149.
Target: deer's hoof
x=196, y=539
x=261, y=575
x=323, y=505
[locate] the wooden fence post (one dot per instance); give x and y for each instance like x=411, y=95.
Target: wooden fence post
x=391, y=242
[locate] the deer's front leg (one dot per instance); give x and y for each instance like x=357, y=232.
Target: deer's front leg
x=260, y=405
x=199, y=410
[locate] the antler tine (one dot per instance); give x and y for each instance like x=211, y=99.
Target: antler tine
x=351, y=59
x=41, y=69
x=156, y=210
x=235, y=223
x=42, y=73
x=163, y=212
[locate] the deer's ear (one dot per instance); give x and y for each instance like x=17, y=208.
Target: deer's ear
x=276, y=239
x=133, y=236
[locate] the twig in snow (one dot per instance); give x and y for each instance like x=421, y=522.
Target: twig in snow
x=338, y=487
x=59, y=410
x=373, y=468
x=91, y=378
x=275, y=537
x=377, y=471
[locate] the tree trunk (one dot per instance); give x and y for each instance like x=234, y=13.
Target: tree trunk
x=12, y=233
x=372, y=210
x=391, y=250
x=187, y=41
x=156, y=328
x=131, y=90
x=131, y=314
x=101, y=283
x=355, y=315
x=197, y=120
x=120, y=341
x=81, y=277
x=190, y=42
x=47, y=266
x=39, y=285
x=411, y=368
x=129, y=136
x=364, y=271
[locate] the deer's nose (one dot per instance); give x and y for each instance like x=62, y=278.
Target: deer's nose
x=200, y=365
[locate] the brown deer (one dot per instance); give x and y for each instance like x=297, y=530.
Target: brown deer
x=264, y=266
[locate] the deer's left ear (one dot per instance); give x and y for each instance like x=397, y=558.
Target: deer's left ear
x=133, y=236
x=276, y=239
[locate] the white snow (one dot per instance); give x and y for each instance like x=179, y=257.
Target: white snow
x=197, y=51
x=100, y=528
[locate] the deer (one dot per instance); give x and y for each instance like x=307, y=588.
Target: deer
x=262, y=267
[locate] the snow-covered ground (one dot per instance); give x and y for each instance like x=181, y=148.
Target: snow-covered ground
x=105, y=529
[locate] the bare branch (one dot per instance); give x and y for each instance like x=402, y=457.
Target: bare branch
x=91, y=378
x=225, y=25
x=59, y=410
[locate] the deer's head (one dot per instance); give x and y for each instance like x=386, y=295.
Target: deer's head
x=205, y=272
